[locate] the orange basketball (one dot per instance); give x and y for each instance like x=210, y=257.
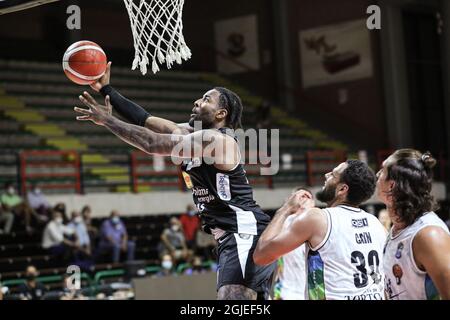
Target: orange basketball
x=84, y=62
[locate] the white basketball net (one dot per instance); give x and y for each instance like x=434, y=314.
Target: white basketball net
x=157, y=28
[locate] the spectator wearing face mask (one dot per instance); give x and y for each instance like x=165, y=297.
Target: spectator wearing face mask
x=56, y=238
x=39, y=203
x=84, y=243
x=114, y=239
x=92, y=231
x=61, y=208
x=31, y=289
x=173, y=241
x=167, y=266
x=12, y=202
x=190, y=223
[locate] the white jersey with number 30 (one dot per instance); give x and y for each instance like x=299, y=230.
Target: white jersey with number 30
x=348, y=264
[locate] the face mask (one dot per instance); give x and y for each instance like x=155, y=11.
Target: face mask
x=11, y=190
x=191, y=213
x=78, y=220
x=31, y=277
x=59, y=220
x=175, y=227
x=167, y=264
x=37, y=191
x=115, y=220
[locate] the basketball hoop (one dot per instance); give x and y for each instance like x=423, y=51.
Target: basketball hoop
x=157, y=28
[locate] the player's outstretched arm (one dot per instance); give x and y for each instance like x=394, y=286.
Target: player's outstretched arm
x=133, y=112
x=162, y=125
x=207, y=144
x=431, y=248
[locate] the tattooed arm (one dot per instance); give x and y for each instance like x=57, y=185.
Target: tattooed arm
x=133, y=112
x=208, y=144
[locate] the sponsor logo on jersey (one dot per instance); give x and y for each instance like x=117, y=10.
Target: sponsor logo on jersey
x=398, y=253
x=187, y=180
x=223, y=186
x=202, y=195
x=398, y=273
x=360, y=223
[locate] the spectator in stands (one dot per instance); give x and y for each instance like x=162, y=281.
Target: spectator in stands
x=114, y=238
x=7, y=220
x=384, y=218
x=190, y=223
x=174, y=243
x=167, y=266
x=83, y=252
x=14, y=203
x=31, y=289
x=38, y=202
x=61, y=208
x=205, y=245
x=92, y=231
x=56, y=238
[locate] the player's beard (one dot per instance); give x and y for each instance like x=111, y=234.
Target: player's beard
x=327, y=194
x=192, y=120
x=205, y=122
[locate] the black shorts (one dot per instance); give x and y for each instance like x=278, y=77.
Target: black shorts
x=236, y=266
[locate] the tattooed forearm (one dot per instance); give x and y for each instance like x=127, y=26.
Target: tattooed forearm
x=137, y=136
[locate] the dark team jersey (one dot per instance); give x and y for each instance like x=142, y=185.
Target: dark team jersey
x=224, y=199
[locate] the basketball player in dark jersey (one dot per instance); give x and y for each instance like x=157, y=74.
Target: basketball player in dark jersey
x=218, y=181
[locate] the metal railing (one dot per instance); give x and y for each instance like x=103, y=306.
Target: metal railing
x=143, y=166
x=62, y=166
x=138, y=172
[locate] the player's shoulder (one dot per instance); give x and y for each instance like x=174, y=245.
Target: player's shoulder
x=429, y=238
x=311, y=216
x=431, y=233
x=316, y=211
